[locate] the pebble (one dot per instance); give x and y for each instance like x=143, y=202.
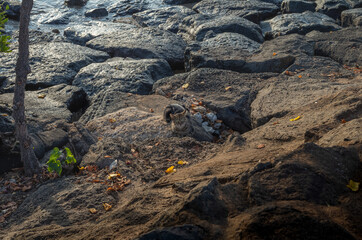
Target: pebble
x=212, y=117
x=198, y=117
x=200, y=109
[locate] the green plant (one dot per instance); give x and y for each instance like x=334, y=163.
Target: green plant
x=4, y=40
x=58, y=159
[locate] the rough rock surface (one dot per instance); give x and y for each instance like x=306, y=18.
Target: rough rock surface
x=127, y=7
x=142, y=43
x=352, y=17
x=332, y=8
x=167, y=18
x=122, y=75
x=253, y=10
x=52, y=64
x=225, y=51
x=297, y=6
x=201, y=27
x=300, y=23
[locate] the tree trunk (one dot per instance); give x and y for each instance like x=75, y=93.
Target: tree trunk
x=30, y=161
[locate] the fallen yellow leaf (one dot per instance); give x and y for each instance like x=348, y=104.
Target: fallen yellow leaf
x=170, y=169
x=107, y=206
x=186, y=85
x=41, y=95
x=4, y=115
x=295, y=119
x=112, y=120
x=93, y=210
x=353, y=185
x=227, y=88
x=182, y=162
x=113, y=175
x=274, y=53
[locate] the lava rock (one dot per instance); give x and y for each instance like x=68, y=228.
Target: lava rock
x=143, y=43
x=184, y=232
x=351, y=17
x=128, y=7
x=167, y=18
x=297, y=6
x=332, y=8
x=75, y=3
x=300, y=23
x=253, y=10
x=96, y=13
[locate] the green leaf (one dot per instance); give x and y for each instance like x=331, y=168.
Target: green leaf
x=70, y=158
x=54, y=164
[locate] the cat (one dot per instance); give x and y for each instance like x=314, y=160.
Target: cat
x=182, y=124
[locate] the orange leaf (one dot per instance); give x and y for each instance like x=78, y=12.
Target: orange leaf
x=260, y=146
x=110, y=189
x=93, y=210
x=274, y=53
x=112, y=120
x=151, y=110
x=299, y=76
x=343, y=121
x=107, y=156
x=227, y=88
x=4, y=115
x=107, y=206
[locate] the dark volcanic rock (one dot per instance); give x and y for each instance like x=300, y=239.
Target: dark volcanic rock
x=179, y=2
x=300, y=23
x=96, y=13
x=201, y=27
x=297, y=6
x=55, y=17
x=128, y=7
x=75, y=3
x=269, y=222
x=51, y=63
x=253, y=10
x=225, y=51
x=343, y=46
x=124, y=75
x=232, y=106
x=332, y=8
x=351, y=17
x=320, y=74
x=80, y=34
x=310, y=173
x=167, y=18
x=143, y=43
x=14, y=8
x=184, y=232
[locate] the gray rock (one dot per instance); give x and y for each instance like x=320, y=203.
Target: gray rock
x=14, y=9
x=143, y=43
x=75, y=3
x=343, y=46
x=290, y=92
x=51, y=63
x=332, y=8
x=201, y=27
x=96, y=13
x=355, y=3
x=6, y=120
x=167, y=18
x=225, y=51
x=351, y=17
x=253, y=10
x=56, y=17
x=128, y=7
x=47, y=140
x=297, y=6
x=180, y=2
x=300, y=23
x=278, y=54
x=80, y=34
x=124, y=75
x=232, y=106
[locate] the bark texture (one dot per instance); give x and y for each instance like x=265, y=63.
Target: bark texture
x=31, y=165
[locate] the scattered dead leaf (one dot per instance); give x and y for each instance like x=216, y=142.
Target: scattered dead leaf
x=107, y=156
x=289, y=73
x=157, y=143
x=260, y=146
x=151, y=110
x=41, y=95
x=186, y=85
x=354, y=186
x=4, y=115
x=228, y=88
x=170, y=170
x=181, y=162
x=112, y=120
x=275, y=123
x=299, y=76
x=274, y=53
x=93, y=210
x=294, y=119
x=107, y=206
x=113, y=175
x=343, y=121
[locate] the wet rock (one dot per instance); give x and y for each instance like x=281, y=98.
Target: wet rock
x=269, y=222
x=231, y=106
x=344, y=46
x=14, y=9
x=80, y=34
x=225, y=51
x=297, y=6
x=142, y=43
x=56, y=17
x=351, y=17
x=96, y=13
x=201, y=27
x=127, y=123
x=253, y=10
x=127, y=7
x=310, y=173
x=278, y=54
x=75, y=3
x=123, y=75
x=300, y=23
x=51, y=63
x=275, y=101
x=332, y=8
x=167, y=18
x=184, y=232
x=180, y=2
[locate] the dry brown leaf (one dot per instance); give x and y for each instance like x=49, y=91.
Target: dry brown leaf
x=151, y=110
x=227, y=88
x=107, y=206
x=274, y=53
x=343, y=121
x=93, y=210
x=41, y=95
x=112, y=120
x=260, y=146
